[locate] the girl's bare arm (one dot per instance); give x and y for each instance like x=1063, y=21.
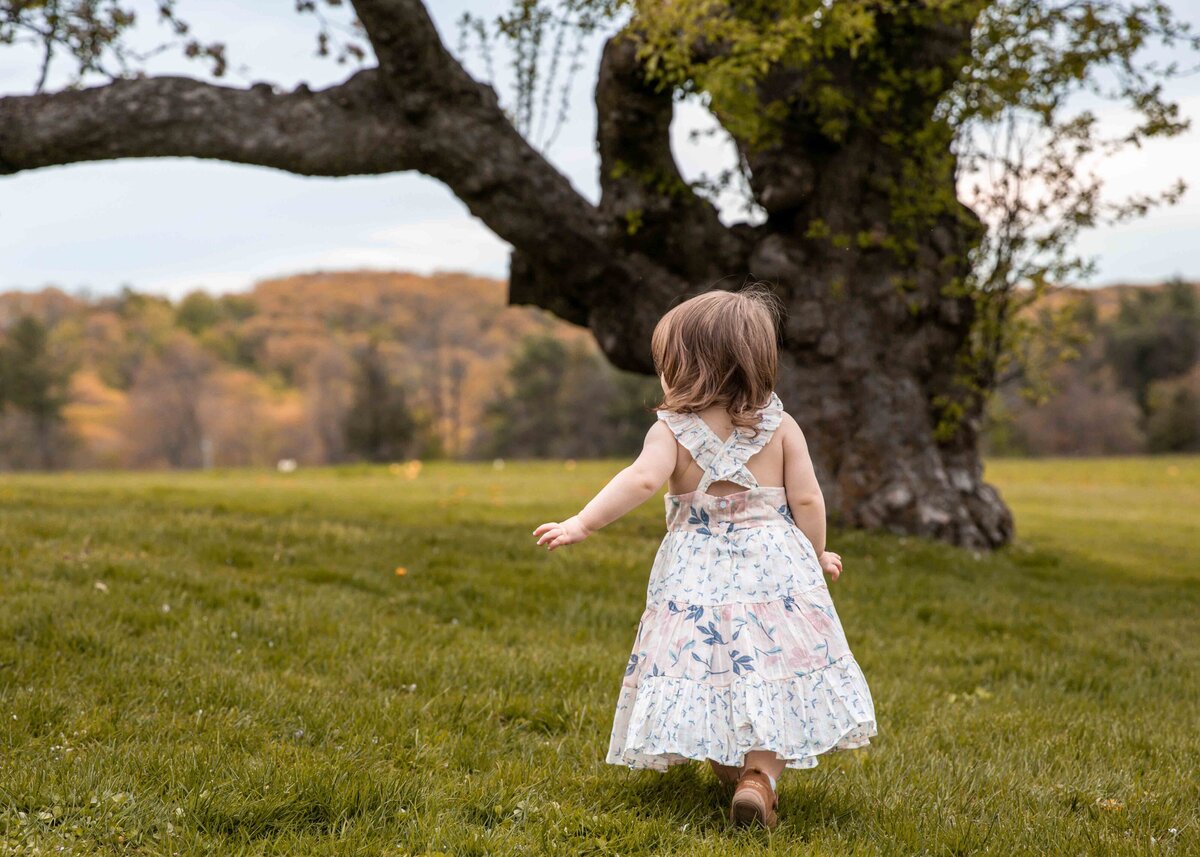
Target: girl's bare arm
x=633, y=486
x=800, y=482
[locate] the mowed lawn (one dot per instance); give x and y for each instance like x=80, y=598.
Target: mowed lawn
x=378, y=661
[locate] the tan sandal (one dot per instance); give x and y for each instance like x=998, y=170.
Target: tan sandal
x=754, y=801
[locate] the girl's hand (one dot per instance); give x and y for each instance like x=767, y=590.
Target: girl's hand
x=831, y=564
x=555, y=535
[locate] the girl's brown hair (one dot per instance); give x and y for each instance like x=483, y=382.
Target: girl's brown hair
x=720, y=348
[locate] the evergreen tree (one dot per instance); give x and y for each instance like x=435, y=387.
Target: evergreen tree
x=527, y=420
x=33, y=384
x=379, y=425
x=567, y=402
x=1156, y=335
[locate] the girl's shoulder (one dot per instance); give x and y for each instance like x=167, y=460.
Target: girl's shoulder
x=790, y=435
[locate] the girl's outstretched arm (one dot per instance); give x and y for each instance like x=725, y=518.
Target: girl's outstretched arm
x=629, y=489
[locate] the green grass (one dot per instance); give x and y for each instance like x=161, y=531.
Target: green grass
x=257, y=679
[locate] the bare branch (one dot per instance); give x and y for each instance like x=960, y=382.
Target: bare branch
x=410, y=51
x=354, y=128
x=338, y=131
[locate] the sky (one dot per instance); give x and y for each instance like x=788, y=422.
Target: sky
x=173, y=225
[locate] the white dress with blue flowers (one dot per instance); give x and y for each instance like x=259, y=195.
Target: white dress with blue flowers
x=739, y=647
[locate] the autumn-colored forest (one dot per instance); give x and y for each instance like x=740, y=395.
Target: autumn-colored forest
x=383, y=366
x=319, y=368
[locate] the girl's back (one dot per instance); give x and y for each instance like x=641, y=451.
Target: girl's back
x=766, y=465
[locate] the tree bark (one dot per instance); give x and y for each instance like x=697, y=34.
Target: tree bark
x=864, y=360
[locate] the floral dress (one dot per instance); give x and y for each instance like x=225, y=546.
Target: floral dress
x=739, y=647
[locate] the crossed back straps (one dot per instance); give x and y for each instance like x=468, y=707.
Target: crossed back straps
x=724, y=461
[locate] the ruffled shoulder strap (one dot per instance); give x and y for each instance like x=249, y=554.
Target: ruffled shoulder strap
x=724, y=460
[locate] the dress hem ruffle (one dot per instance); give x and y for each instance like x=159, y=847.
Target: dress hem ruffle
x=659, y=759
x=649, y=733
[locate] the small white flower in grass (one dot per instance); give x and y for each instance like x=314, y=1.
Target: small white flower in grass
x=100, y=586
x=233, y=634
x=166, y=608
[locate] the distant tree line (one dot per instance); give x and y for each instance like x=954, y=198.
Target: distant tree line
x=1134, y=386
x=169, y=396
x=323, y=369
x=381, y=367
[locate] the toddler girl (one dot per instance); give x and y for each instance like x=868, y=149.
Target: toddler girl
x=740, y=657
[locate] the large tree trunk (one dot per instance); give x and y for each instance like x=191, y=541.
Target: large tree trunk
x=870, y=343
x=861, y=374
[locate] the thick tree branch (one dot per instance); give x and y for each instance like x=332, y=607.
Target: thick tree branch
x=410, y=52
x=335, y=132
x=666, y=241
x=567, y=256
x=419, y=110
x=564, y=256
x=360, y=127
x=645, y=199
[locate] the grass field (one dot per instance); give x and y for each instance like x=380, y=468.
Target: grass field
x=233, y=663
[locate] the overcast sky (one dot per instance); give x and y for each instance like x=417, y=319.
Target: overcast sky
x=170, y=226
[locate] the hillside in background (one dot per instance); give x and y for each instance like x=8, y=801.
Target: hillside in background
x=386, y=366
x=320, y=368
x=1132, y=384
